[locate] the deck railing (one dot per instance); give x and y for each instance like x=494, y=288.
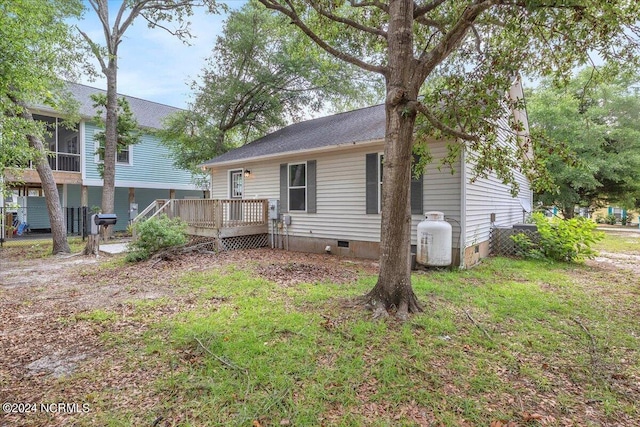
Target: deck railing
x=210, y=213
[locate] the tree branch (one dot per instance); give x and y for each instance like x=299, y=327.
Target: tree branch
x=291, y=12
x=454, y=36
x=349, y=22
x=441, y=126
x=431, y=23
x=419, y=11
x=375, y=3
x=478, y=39
x=179, y=33
x=95, y=48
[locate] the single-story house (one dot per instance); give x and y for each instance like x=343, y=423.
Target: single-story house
x=326, y=175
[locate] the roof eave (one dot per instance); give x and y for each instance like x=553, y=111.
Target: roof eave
x=267, y=157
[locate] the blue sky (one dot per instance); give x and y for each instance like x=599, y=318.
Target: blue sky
x=153, y=64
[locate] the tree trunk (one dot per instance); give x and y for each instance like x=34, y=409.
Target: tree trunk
x=93, y=245
x=50, y=189
x=111, y=143
x=568, y=212
x=393, y=289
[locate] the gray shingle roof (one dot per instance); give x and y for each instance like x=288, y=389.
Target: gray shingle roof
x=148, y=114
x=365, y=124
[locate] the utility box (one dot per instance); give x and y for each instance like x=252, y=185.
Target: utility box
x=274, y=209
x=133, y=211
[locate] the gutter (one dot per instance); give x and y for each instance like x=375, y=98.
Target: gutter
x=463, y=205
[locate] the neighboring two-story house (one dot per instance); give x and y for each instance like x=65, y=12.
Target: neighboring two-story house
x=144, y=172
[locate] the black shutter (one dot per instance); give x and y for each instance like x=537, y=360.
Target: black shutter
x=311, y=186
x=284, y=188
x=372, y=183
x=417, y=196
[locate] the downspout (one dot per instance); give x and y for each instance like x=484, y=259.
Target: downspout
x=463, y=204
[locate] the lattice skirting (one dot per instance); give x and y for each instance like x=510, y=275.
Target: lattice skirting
x=231, y=243
x=502, y=244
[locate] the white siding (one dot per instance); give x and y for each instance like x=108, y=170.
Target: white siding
x=441, y=192
x=489, y=195
x=341, y=197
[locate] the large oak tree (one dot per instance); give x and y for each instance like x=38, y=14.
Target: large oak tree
x=468, y=51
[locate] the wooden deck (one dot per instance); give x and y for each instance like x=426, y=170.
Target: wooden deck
x=220, y=218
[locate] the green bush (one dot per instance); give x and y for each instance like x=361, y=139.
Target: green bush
x=611, y=219
x=156, y=234
x=567, y=240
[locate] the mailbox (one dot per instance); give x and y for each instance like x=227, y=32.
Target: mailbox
x=104, y=220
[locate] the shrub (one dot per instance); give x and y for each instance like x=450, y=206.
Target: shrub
x=567, y=240
x=624, y=220
x=156, y=234
x=611, y=219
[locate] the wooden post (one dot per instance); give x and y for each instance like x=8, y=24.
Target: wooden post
x=217, y=214
x=132, y=195
x=172, y=194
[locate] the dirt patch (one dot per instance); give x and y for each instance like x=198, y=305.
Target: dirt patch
x=627, y=261
x=293, y=273
x=55, y=310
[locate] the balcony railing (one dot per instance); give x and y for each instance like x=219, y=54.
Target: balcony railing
x=65, y=162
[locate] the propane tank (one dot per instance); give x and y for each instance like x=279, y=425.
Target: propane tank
x=434, y=240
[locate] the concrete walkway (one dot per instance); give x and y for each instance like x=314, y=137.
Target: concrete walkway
x=114, y=248
x=620, y=229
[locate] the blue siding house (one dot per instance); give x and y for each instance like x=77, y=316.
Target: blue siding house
x=144, y=173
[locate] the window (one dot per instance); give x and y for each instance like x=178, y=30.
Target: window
x=297, y=186
x=374, y=167
x=237, y=184
x=123, y=155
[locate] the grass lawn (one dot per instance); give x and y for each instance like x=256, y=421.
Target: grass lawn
x=509, y=343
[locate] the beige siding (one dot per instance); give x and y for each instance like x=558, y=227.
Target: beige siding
x=341, y=200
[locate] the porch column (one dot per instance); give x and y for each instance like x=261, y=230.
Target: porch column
x=84, y=195
x=65, y=196
x=172, y=194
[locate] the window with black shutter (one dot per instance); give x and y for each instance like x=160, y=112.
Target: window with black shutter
x=374, y=172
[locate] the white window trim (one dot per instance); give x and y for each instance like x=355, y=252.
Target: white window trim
x=96, y=156
x=230, y=182
x=289, y=187
x=130, y=162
